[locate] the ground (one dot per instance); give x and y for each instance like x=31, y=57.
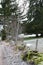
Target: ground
x=32, y=44
x=8, y=56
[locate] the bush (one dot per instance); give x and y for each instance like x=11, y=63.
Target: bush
x=24, y=56
x=33, y=56
x=3, y=34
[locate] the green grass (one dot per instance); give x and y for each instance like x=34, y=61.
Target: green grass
x=29, y=38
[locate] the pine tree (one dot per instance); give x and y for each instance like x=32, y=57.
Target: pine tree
x=35, y=17
x=5, y=10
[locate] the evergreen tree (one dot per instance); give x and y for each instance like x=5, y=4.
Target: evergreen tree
x=35, y=17
x=5, y=10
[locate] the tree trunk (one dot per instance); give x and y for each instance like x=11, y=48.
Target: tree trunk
x=36, y=35
x=41, y=34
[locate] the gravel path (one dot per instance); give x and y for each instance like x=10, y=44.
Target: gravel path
x=8, y=56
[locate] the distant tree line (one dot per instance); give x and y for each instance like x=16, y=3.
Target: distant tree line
x=35, y=18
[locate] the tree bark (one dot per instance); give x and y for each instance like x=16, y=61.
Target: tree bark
x=36, y=35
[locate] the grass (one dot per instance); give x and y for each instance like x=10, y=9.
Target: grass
x=29, y=38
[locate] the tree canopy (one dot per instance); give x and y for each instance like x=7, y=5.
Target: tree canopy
x=35, y=17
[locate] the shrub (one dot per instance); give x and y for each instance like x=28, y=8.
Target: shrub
x=24, y=56
x=33, y=56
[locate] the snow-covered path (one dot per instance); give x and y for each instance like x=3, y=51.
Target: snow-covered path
x=8, y=56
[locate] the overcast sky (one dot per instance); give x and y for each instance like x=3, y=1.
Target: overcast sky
x=23, y=6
